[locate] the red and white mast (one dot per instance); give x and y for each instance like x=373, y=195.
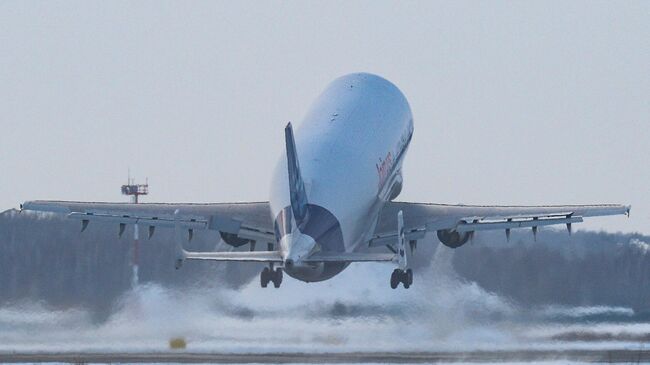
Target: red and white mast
x=134, y=191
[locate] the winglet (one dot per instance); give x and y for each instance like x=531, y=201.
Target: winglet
x=296, y=183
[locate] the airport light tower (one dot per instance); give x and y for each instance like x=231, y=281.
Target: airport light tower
x=134, y=191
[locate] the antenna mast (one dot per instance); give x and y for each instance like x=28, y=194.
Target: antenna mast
x=135, y=190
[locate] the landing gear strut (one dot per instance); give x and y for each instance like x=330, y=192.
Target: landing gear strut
x=270, y=275
x=401, y=276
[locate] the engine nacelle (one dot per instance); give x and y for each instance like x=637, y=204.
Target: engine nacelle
x=233, y=240
x=453, y=239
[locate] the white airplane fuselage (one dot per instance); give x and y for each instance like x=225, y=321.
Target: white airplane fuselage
x=350, y=147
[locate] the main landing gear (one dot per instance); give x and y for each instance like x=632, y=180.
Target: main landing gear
x=270, y=275
x=401, y=276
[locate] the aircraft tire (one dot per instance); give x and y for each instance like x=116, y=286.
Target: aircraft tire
x=265, y=277
x=394, y=279
x=409, y=276
x=277, y=277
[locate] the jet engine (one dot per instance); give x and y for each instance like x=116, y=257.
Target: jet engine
x=453, y=239
x=233, y=240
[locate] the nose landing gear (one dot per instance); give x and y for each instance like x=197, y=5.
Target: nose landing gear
x=401, y=276
x=269, y=275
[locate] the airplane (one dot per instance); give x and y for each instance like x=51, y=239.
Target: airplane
x=332, y=197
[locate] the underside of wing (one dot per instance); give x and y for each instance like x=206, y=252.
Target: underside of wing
x=237, y=222
x=420, y=218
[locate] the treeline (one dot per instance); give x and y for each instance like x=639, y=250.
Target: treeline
x=46, y=258
x=585, y=269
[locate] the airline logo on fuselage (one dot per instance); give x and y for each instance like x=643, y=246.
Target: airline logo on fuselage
x=384, y=167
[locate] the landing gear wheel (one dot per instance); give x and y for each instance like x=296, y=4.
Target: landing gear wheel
x=409, y=276
x=395, y=278
x=277, y=277
x=401, y=276
x=265, y=277
x=405, y=279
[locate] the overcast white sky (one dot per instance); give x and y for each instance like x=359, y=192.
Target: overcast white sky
x=514, y=102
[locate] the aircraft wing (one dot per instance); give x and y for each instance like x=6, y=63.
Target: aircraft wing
x=420, y=218
x=246, y=221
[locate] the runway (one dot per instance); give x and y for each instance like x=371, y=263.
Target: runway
x=445, y=321
x=587, y=356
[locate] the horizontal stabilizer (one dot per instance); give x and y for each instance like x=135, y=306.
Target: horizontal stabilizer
x=248, y=256
x=350, y=257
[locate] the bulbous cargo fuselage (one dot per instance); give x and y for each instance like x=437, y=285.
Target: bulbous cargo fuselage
x=350, y=147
